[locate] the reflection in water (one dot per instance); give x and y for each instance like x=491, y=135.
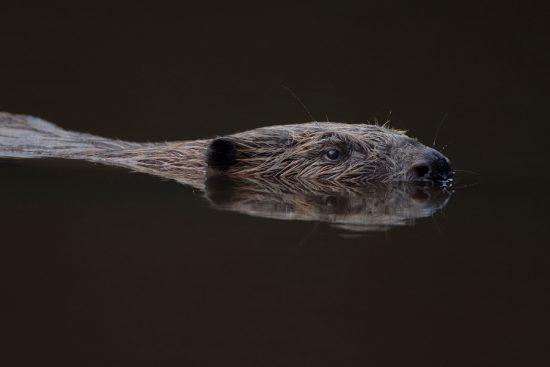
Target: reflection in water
x=367, y=208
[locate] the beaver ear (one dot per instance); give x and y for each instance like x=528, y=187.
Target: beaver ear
x=221, y=154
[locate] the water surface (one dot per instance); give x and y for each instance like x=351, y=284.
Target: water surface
x=100, y=266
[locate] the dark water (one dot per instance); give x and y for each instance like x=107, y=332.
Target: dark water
x=103, y=267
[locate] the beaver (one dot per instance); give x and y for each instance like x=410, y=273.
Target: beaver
x=328, y=152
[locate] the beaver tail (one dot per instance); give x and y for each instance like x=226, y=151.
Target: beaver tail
x=30, y=137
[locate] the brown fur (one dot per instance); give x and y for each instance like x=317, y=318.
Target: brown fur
x=291, y=153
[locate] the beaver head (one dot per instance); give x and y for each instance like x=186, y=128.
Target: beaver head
x=326, y=151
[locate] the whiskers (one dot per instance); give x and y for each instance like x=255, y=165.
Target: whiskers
x=464, y=186
x=467, y=171
x=461, y=184
x=300, y=102
x=439, y=129
x=445, y=146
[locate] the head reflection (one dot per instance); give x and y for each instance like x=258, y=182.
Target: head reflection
x=361, y=209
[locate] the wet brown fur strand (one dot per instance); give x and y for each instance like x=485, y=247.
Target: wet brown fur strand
x=318, y=151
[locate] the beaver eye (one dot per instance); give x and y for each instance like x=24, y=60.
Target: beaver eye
x=333, y=154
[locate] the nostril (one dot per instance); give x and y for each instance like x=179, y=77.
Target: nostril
x=421, y=170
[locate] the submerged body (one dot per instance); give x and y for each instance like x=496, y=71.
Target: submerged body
x=327, y=152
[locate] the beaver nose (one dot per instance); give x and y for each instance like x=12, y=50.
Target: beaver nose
x=436, y=167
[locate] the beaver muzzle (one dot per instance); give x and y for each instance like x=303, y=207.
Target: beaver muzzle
x=435, y=167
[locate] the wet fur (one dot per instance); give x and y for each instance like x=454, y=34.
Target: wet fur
x=291, y=153
x=368, y=153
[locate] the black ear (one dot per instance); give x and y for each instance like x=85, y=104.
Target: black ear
x=221, y=154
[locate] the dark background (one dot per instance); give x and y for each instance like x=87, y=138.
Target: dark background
x=145, y=72
x=102, y=267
